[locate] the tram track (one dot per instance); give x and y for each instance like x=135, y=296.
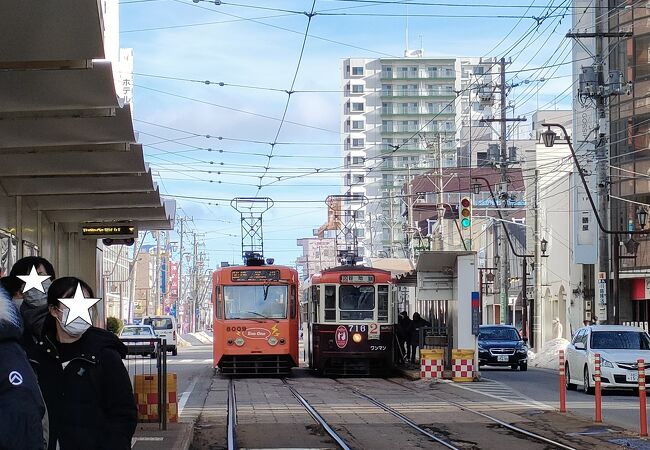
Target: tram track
x=512, y=428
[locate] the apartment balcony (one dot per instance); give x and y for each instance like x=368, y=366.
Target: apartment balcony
x=399, y=129
x=395, y=111
x=389, y=148
x=419, y=75
x=397, y=93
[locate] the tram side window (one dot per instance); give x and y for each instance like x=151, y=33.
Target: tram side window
x=219, y=303
x=292, y=303
x=382, y=303
x=330, y=303
x=315, y=297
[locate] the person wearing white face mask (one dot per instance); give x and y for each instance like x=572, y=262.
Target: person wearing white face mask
x=86, y=387
x=33, y=302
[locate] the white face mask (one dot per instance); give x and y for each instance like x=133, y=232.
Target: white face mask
x=34, y=297
x=75, y=328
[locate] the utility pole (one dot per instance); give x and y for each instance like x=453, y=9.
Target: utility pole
x=504, y=276
x=179, y=299
x=410, y=228
x=538, y=308
x=441, y=199
x=157, y=297
x=195, y=290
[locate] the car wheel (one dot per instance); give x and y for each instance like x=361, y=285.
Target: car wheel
x=523, y=367
x=585, y=382
x=153, y=355
x=174, y=351
x=514, y=367
x=567, y=379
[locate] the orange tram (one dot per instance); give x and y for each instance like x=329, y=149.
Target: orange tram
x=349, y=321
x=255, y=319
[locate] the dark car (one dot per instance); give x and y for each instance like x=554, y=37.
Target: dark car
x=501, y=345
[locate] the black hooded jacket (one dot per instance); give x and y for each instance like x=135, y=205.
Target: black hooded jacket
x=87, y=390
x=21, y=404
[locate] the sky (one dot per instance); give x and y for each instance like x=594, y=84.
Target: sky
x=208, y=142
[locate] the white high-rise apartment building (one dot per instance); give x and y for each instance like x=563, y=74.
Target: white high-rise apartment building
x=395, y=114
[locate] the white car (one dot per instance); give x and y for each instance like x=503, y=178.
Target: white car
x=164, y=327
x=619, y=347
x=139, y=340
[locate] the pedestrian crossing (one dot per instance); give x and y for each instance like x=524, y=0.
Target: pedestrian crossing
x=171, y=361
x=502, y=392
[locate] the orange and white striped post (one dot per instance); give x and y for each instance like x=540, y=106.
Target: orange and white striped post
x=599, y=416
x=642, y=399
x=562, y=383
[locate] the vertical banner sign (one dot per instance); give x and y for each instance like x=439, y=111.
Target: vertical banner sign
x=476, y=313
x=163, y=275
x=602, y=288
x=173, y=280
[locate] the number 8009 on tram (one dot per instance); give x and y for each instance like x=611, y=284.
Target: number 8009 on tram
x=349, y=327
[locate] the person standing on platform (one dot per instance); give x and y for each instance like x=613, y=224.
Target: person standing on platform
x=21, y=405
x=417, y=323
x=86, y=387
x=35, y=275
x=403, y=336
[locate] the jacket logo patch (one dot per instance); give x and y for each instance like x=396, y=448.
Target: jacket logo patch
x=81, y=372
x=15, y=378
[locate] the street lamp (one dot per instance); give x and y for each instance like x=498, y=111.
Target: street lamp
x=476, y=187
x=548, y=137
x=543, y=246
x=642, y=216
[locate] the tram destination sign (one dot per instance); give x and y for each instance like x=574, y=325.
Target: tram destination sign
x=357, y=279
x=255, y=275
x=102, y=231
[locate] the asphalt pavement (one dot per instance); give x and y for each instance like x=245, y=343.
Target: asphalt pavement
x=619, y=407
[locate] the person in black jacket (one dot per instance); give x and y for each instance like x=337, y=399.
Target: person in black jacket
x=87, y=389
x=21, y=404
x=417, y=323
x=403, y=336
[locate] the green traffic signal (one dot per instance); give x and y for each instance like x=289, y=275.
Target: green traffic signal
x=465, y=222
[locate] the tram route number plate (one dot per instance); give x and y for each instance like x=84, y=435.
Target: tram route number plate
x=373, y=331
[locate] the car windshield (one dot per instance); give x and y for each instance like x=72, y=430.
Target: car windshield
x=255, y=302
x=136, y=331
x=498, y=334
x=160, y=323
x=620, y=340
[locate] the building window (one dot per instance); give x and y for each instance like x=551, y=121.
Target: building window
x=357, y=124
x=359, y=232
x=357, y=70
x=357, y=88
x=358, y=160
x=359, y=179
x=357, y=142
x=357, y=107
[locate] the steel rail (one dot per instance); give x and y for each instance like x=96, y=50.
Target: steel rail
x=404, y=419
x=498, y=421
x=333, y=434
x=232, y=416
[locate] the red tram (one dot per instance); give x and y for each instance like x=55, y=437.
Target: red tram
x=255, y=319
x=350, y=321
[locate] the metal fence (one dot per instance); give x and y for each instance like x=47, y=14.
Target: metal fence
x=147, y=357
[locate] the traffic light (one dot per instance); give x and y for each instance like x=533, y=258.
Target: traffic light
x=465, y=212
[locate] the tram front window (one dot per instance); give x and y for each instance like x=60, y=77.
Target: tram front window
x=255, y=302
x=356, y=302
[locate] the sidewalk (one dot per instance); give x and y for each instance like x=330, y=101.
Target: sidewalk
x=178, y=436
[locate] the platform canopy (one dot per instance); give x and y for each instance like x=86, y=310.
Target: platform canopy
x=68, y=147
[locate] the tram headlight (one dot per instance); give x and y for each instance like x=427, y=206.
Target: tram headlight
x=239, y=341
x=282, y=341
x=230, y=341
x=356, y=337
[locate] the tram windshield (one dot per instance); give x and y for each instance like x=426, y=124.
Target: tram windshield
x=255, y=302
x=356, y=302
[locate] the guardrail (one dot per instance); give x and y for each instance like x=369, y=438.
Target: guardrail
x=146, y=363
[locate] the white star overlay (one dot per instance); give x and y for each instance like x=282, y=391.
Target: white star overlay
x=79, y=306
x=33, y=280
